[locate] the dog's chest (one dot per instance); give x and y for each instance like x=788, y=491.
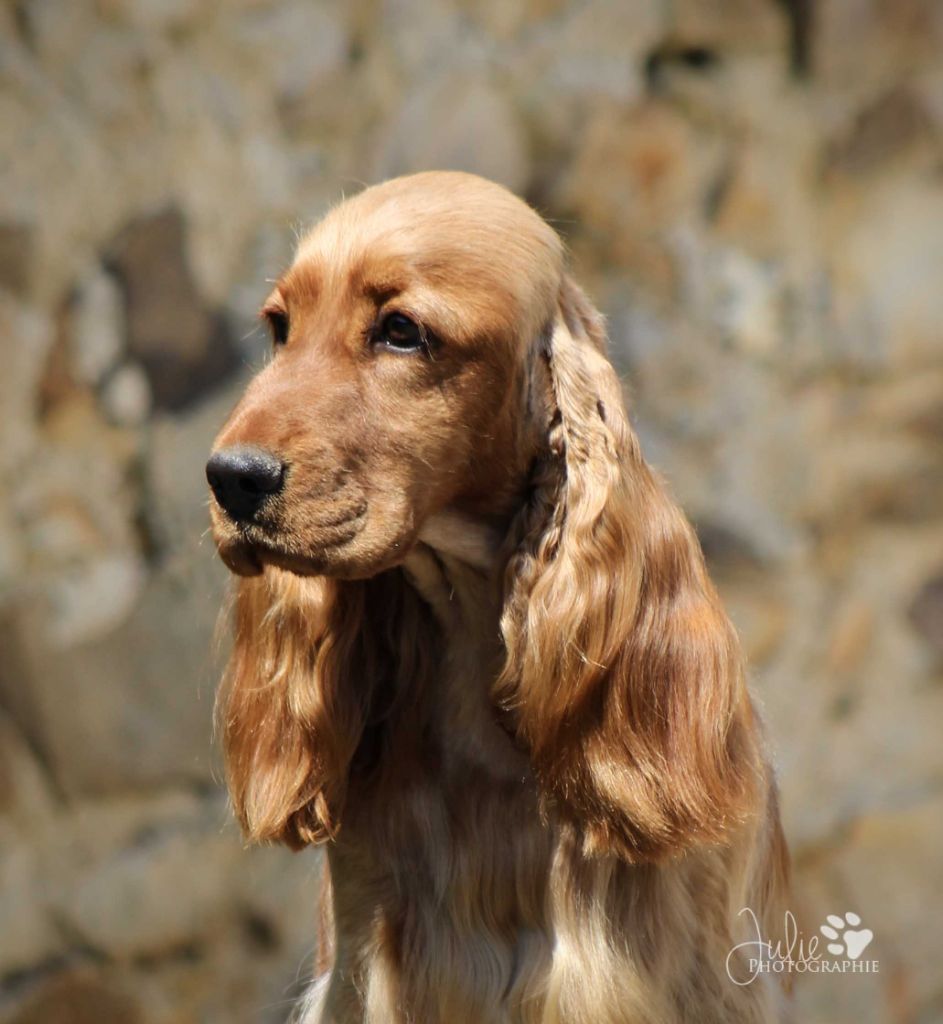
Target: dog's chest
x=442, y=900
x=441, y=875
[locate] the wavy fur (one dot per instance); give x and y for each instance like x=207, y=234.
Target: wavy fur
x=647, y=745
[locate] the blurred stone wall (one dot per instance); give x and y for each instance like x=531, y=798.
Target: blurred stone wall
x=752, y=191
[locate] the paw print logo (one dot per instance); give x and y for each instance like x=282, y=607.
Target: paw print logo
x=846, y=937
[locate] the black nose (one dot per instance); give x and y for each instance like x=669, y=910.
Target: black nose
x=242, y=478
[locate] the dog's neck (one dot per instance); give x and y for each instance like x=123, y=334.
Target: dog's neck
x=456, y=570
x=465, y=538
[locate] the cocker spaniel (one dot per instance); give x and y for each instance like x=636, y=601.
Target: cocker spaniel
x=476, y=648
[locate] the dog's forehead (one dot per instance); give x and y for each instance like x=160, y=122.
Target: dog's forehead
x=442, y=227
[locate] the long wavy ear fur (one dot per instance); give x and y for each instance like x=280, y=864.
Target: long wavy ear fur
x=318, y=670
x=623, y=673
x=289, y=722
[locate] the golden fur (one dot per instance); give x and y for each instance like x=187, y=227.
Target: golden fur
x=476, y=647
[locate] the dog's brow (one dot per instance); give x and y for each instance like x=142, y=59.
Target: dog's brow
x=300, y=282
x=378, y=278
x=382, y=291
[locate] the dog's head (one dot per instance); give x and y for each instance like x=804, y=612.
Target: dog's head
x=397, y=388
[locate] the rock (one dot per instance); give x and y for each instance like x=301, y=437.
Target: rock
x=642, y=164
x=751, y=594
x=78, y=997
x=167, y=877
x=760, y=614
x=759, y=205
x=131, y=708
x=911, y=402
x=502, y=21
x=76, y=514
x=29, y=936
x=97, y=327
x=746, y=302
x=11, y=557
x=279, y=892
x=817, y=892
x=870, y=467
x=445, y=44
x=926, y=612
x=885, y=129
x=155, y=15
x=883, y=849
x=16, y=256
x=312, y=43
x=851, y=643
x=27, y=809
x=50, y=26
x=29, y=335
x=26, y=797
x=881, y=265
x=126, y=397
x=892, y=41
x=636, y=175
x=727, y=552
x=134, y=649
x=95, y=599
x=180, y=342
x=456, y=124
x=741, y=24
x=163, y=893
x=850, y=637
x=593, y=54
x=269, y=252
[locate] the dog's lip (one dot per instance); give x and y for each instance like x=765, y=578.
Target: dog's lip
x=248, y=548
x=241, y=558
x=300, y=565
x=249, y=556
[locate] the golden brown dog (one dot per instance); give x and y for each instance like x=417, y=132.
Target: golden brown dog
x=476, y=647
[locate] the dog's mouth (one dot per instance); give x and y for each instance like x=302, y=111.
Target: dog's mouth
x=247, y=549
x=250, y=557
x=348, y=537
x=245, y=558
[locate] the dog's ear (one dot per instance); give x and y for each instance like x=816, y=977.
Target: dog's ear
x=289, y=719
x=623, y=673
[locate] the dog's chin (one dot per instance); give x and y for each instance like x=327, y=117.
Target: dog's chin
x=241, y=559
x=353, y=549
x=248, y=559
x=245, y=558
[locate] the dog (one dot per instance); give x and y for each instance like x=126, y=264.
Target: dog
x=476, y=650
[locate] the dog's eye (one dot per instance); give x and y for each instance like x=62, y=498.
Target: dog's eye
x=399, y=333
x=277, y=320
